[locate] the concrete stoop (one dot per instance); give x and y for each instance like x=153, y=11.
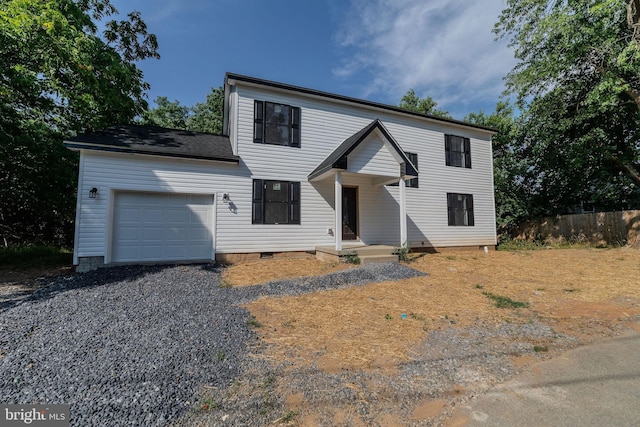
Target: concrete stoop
x=366, y=254
x=368, y=259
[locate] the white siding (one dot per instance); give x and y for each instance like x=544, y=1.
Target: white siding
x=325, y=124
x=234, y=231
x=373, y=157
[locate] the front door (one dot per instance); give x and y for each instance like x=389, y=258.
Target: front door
x=349, y=213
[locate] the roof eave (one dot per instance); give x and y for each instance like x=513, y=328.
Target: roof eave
x=231, y=78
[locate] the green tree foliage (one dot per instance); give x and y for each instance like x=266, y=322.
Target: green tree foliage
x=511, y=167
x=411, y=101
x=207, y=116
x=578, y=83
x=202, y=117
x=168, y=114
x=59, y=76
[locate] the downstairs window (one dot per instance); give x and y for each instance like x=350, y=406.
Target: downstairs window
x=460, y=209
x=276, y=202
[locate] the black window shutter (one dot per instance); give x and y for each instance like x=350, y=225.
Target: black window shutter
x=470, y=219
x=257, y=209
x=467, y=153
x=295, y=126
x=451, y=208
x=294, y=203
x=447, y=149
x=258, y=121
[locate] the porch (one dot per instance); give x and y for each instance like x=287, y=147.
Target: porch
x=366, y=212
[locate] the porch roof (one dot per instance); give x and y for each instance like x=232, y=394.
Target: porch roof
x=338, y=158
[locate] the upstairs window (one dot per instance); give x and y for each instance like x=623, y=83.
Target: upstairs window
x=413, y=158
x=460, y=209
x=276, y=202
x=413, y=182
x=457, y=151
x=277, y=124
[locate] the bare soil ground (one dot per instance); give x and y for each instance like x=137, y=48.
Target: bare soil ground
x=586, y=294
x=17, y=283
x=408, y=352
x=253, y=273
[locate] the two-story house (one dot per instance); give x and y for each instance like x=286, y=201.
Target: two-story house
x=295, y=170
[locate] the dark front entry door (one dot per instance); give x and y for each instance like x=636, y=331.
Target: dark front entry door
x=349, y=213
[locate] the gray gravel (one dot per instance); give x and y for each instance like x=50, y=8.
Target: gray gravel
x=452, y=366
x=139, y=345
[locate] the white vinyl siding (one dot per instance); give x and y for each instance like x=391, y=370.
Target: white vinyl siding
x=373, y=157
x=324, y=125
x=233, y=232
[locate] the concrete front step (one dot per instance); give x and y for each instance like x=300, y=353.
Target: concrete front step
x=373, y=250
x=367, y=254
x=368, y=259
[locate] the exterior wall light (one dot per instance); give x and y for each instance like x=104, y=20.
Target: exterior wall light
x=225, y=198
x=93, y=193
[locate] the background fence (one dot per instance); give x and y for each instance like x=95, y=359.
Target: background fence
x=610, y=228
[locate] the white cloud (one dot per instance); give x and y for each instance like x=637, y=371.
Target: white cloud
x=441, y=48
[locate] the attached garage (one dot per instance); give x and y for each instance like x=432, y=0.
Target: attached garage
x=155, y=227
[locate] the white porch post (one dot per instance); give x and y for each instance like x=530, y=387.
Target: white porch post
x=403, y=213
x=337, y=232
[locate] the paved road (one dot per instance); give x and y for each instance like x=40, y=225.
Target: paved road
x=594, y=385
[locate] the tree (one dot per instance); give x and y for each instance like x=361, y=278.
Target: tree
x=168, y=114
x=573, y=153
x=411, y=101
x=511, y=167
x=202, y=117
x=59, y=77
x=207, y=116
x=579, y=61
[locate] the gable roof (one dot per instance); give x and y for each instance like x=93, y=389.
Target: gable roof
x=157, y=141
x=338, y=158
x=230, y=77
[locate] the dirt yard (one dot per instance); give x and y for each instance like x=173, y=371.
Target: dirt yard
x=585, y=294
x=17, y=283
x=410, y=352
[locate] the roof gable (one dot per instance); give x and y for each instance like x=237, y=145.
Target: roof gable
x=338, y=158
x=158, y=141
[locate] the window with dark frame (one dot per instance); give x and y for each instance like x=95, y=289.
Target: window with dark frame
x=276, y=124
x=413, y=158
x=457, y=151
x=275, y=202
x=460, y=209
x=413, y=182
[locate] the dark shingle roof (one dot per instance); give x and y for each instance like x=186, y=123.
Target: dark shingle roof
x=338, y=158
x=157, y=141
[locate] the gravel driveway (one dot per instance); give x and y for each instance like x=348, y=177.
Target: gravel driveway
x=139, y=345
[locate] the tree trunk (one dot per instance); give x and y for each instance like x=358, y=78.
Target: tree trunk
x=629, y=169
x=633, y=11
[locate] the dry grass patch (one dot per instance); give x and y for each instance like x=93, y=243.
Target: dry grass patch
x=266, y=270
x=361, y=327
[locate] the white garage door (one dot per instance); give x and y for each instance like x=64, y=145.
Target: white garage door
x=162, y=227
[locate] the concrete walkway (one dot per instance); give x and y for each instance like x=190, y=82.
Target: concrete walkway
x=594, y=385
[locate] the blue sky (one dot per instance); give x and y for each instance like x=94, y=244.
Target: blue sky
x=370, y=49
